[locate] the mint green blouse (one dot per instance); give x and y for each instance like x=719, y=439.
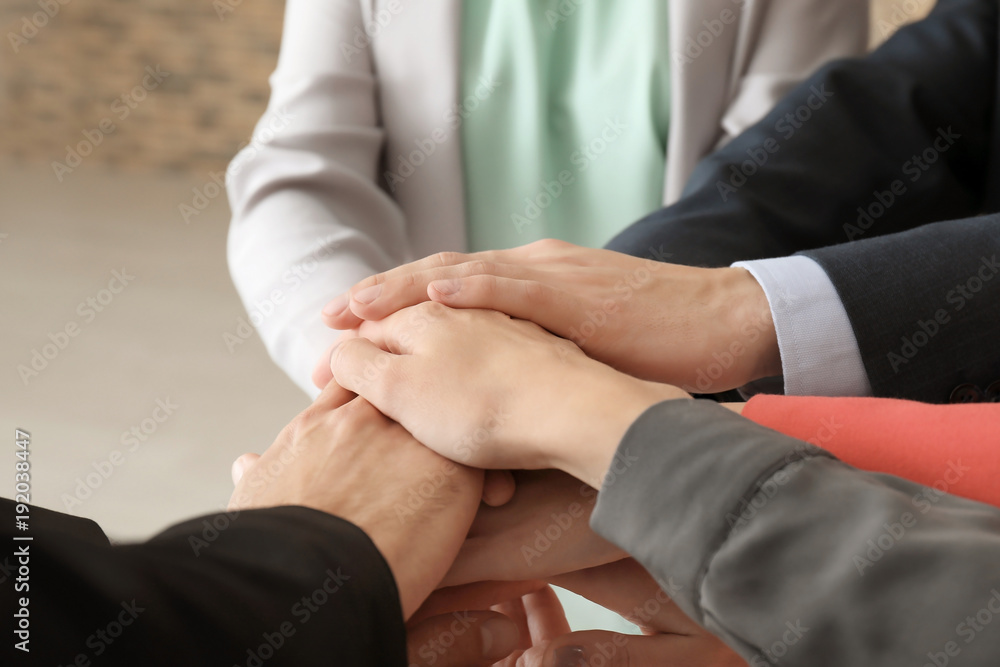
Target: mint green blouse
x=565, y=107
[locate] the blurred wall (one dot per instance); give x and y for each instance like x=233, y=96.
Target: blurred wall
x=170, y=84
x=74, y=71
x=889, y=15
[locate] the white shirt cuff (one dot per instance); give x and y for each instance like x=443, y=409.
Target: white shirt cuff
x=819, y=352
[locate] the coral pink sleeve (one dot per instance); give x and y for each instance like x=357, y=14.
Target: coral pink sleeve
x=954, y=448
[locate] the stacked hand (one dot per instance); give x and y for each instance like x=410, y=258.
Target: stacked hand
x=460, y=352
x=705, y=330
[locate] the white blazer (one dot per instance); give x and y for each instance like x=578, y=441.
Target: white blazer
x=360, y=83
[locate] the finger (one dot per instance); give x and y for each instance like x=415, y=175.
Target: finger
x=546, y=617
x=480, y=595
x=333, y=396
x=515, y=611
x=466, y=639
x=337, y=315
x=358, y=365
x=579, y=649
x=547, y=306
x=498, y=487
x=321, y=374
x=377, y=301
x=241, y=465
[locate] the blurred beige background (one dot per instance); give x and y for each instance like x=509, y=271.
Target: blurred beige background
x=158, y=341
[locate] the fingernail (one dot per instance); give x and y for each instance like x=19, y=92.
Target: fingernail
x=237, y=470
x=500, y=638
x=570, y=656
x=447, y=287
x=336, y=306
x=368, y=294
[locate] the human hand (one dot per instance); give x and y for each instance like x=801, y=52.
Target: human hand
x=705, y=330
x=542, y=532
x=492, y=392
x=670, y=636
x=462, y=639
x=343, y=457
x=531, y=609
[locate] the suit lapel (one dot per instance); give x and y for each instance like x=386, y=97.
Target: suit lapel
x=702, y=80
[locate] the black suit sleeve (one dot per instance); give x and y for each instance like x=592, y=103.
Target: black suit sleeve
x=282, y=586
x=917, y=113
x=924, y=305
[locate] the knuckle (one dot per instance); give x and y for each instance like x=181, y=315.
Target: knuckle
x=534, y=291
x=409, y=280
x=550, y=244
x=447, y=258
x=431, y=309
x=478, y=267
x=357, y=411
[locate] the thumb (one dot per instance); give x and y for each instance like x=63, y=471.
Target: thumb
x=580, y=649
x=360, y=366
x=241, y=465
x=461, y=639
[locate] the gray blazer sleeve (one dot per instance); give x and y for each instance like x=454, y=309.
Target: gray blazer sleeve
x=794, y=558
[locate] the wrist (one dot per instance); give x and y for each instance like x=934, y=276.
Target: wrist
x=603, y=412
x=748, y=313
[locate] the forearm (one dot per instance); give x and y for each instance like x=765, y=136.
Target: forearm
x=300, y=583
x=775, y=546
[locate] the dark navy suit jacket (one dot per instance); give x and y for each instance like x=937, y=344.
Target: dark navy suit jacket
x=849, y=169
